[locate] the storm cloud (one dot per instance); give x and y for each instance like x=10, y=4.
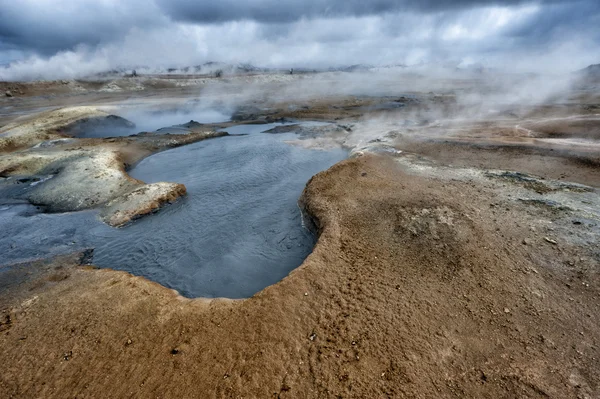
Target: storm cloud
x=275, y=11
x=73, y=38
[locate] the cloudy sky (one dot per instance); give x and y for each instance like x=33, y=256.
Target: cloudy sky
x=70, y=38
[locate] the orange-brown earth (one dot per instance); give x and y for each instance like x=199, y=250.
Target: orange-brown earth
x=418, y=287
x=434, y=275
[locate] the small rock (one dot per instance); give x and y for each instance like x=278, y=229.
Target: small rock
x=129, y=342
x=550, y=240
x=312, y=336
x=306, y=294
x=506, y=310
x=86, y=257
x=174, y=351
x=8, y=93
x=68, y=355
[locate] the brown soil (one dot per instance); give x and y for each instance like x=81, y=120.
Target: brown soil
x=416, y=288
x=562, y=164
x=586, y=128
x=428, y=280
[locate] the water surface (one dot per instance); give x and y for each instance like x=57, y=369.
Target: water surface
x=237, y=231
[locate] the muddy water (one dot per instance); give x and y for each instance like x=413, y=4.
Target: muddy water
x=147, y=119
x=238, y=230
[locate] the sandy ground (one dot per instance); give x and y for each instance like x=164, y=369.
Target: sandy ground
x=455, y=259
x=418, y=287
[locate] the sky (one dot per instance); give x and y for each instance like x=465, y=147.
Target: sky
x=74, y=38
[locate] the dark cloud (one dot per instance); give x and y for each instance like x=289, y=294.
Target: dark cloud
x=559, y=19
x=277, y=11
x=78, y=37
x=47, y=27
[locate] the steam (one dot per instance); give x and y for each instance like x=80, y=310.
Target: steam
x=154, y=36
x=482, y=58
x=149, y=119
x=445, y=101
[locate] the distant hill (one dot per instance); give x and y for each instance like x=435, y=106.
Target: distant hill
x=351, y=68
x=208, y=69
x=590, y=72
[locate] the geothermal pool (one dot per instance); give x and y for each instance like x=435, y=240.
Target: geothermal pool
x=147, y=119
x=237, y=231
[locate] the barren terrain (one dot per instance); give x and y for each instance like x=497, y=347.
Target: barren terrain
x=457, y=256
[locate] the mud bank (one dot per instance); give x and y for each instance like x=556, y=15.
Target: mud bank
x=417, y=287
x=52, y=125
x=83, y=173
x=461, y=262
x=237, y=231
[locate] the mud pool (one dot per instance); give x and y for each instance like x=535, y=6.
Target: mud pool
x=238, y=230
x=147, y=119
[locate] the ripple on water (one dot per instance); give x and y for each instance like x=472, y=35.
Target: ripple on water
x=238, y=230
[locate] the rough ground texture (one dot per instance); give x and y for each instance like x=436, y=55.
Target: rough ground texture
x=76, y=173
x=462, y=262
x=82, y=181
x=421, y=285
x=139, y=202
x=47, y=126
